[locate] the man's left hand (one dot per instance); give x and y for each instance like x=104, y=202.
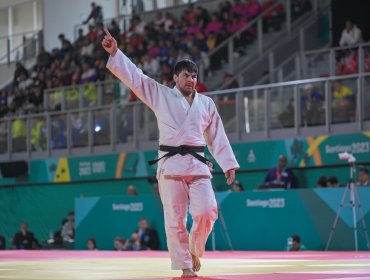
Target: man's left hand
x=230, y=175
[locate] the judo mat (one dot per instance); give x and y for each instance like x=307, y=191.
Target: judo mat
x=226, y=265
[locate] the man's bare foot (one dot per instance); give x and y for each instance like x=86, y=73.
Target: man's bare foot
x=196, y=263
x=187, y=273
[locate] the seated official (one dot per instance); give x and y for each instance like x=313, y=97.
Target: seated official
x=148, y=237
x=24, y=239
x=280, y=176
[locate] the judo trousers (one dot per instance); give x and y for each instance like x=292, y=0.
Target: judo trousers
x=178, y=194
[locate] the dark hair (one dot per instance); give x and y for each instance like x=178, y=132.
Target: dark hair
x=93, y=241
x=240, y=185
x=322, y=182
x=185, y=64
x=333, y=180
x=71, y=213
x=296, y=238
x=120, y=239
x=365, y=170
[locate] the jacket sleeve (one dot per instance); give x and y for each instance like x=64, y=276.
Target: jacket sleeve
x=218, y=143
x=145, y=88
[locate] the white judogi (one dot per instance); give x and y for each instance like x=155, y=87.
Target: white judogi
x=184, y=181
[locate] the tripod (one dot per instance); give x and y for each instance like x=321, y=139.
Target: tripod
x=354, y=201
x=224, y=228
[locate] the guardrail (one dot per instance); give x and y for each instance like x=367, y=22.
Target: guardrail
x=20, y=47
x=85, y=95
x=249, y=114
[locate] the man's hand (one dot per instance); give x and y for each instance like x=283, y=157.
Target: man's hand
x=230, y=175
x=109, y=43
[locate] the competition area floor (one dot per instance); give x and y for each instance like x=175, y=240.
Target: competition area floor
x=106, y=265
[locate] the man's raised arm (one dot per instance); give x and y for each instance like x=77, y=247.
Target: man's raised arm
x=144, y=87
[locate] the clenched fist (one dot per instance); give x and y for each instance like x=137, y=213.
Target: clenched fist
x=109, y=43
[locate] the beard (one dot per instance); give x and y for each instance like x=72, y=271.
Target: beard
x=187, y=90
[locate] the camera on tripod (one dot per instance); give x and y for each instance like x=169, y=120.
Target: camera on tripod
x=347, y=156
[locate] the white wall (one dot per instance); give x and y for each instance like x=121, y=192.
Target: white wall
x=22, y=22
x=60, y=16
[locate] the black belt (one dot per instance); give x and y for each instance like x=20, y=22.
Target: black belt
x=183, y=150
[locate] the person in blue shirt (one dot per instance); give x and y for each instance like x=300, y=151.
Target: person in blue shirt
x=281, y=176
x=312, y=106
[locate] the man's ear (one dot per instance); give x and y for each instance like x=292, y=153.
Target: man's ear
x=175, y=78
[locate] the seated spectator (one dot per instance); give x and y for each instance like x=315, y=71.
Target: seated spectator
x=115, y=31
x=351, y=35
x=229, y=82
x=133, y=243
x=238, y=9
x=281, y=176
x=19, y=70
x=159, y=20
x=24, y=239
x=295, y=244
x=273, y=19
x=56, y=240
x=68, y=230
x=38, y=137
x=24, y=81
x=148, y=237
x=237, y=187
x=214, y=26
x=19, y=132
x=363, y=177
x=120, y=244
x=170, y=22
x=347, y=62
x=131, y=190
x=253, y=9
x=203, y=17
x=2, y=243
x=88, y=73
x=201, y=87
x=81, y=39
x=312, y=106
x=322, y=182
x=91, y=244
x=333, y=182
x=343, y=103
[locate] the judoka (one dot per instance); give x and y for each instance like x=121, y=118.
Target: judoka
x=187, y=122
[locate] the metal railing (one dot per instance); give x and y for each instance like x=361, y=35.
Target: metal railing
x=272, y=49
x=20, y=47
x=150, y=9
x=325, y=62
x=336, y=61
x=86, y=95
x=254, y=113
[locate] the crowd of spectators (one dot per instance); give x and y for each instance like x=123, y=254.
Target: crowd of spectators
x=153, y=46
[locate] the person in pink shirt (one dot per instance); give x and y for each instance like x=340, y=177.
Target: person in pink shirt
x=193, y=29
x=214, y=26
x=253, y=9
x=238, y=8
x=235, y=24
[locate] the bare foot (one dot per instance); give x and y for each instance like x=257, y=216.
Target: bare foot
x=187, y=273
x=196, y=263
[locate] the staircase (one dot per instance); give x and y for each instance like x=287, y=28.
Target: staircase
x=263, y=56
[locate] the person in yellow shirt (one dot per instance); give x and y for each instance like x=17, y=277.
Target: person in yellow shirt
x=19, y=135
x=343, y=103
x=37, y=136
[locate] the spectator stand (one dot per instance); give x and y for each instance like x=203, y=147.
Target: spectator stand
x=259, y=113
